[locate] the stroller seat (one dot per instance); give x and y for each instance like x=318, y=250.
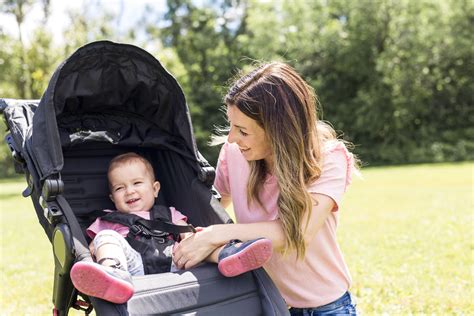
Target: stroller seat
x=104, y=100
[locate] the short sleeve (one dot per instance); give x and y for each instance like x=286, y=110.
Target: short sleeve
x=99, y=225
x=93, y=229
x=338, y=165
x=221, y=182
x=177, y=215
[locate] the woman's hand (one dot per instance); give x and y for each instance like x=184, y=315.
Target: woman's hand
x=194, y=248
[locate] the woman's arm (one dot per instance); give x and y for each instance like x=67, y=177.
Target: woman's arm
x=322, y=207
x=225, y=201
x=200, y=245
x=197, y=247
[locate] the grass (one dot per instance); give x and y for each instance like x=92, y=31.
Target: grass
x=406, y=232
x=26, y=257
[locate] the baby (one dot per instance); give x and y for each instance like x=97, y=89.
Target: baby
x=117, y=253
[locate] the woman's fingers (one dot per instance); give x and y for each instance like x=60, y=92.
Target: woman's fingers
x=185, y=263
x=182, y=259
x=192, y=250
x=181, y=263
x=191, y=263
x=177, y=255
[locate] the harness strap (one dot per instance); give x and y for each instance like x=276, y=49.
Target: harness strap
x=165, y=226
x=157, y=224
x=79, y=241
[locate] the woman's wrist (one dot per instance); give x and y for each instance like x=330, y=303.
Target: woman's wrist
x=217, y=234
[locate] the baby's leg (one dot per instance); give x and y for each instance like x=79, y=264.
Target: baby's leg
x=111, y=249
x=109, y=278
x=214, y=256
x=238, y=257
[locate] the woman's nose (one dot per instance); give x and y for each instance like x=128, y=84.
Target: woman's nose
x=231, y=138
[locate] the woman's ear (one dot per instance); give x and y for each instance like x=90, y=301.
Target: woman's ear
x=156, y=188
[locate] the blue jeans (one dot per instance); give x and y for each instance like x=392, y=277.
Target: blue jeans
x=345, y=305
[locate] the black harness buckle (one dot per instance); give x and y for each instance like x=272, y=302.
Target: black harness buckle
x=137, y=230
x=158, y=235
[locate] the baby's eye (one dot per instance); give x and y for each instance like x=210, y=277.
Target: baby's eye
x=118, y=189
x=138, y=182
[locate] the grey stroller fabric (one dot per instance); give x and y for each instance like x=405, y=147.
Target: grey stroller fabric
x=104, y=100
x=201, y=292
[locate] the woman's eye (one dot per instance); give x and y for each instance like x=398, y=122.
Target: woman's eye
x=243, y=133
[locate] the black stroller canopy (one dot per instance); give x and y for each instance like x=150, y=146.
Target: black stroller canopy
x=114, y=93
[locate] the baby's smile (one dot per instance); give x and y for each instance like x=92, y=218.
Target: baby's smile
x=131, y=201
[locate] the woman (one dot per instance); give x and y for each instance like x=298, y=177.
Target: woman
x=285, y=173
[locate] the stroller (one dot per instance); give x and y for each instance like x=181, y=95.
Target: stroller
x=104, y=100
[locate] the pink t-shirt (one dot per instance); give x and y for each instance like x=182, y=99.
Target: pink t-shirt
x=322, y=276
x=123, y=230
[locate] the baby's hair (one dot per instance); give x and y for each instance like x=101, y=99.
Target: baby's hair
x=130, y=157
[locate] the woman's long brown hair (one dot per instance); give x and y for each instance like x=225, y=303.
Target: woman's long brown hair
x=285, y=106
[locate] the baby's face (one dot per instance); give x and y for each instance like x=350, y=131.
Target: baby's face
x=132, y=187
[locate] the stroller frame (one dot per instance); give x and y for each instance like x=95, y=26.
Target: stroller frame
x=106, y=99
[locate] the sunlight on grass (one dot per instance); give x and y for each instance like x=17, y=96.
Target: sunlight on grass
x=406, y=232
x=26, y=256
x=407, y=236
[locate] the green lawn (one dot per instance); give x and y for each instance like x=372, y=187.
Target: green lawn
x=406, y=232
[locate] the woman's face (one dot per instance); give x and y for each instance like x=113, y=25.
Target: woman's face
x=249, y=136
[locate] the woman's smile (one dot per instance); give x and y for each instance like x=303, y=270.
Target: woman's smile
x=248, y=135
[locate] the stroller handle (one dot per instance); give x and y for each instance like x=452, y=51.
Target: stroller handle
x=4, y=103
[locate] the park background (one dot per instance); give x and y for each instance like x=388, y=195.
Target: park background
x=392, y=77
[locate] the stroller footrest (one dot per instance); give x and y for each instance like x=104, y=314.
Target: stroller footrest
x=198, y=291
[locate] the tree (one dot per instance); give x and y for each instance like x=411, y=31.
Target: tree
x=391, y=75
x=205, y=40
x=394, y=76
x=25, y=67
x=19, y=9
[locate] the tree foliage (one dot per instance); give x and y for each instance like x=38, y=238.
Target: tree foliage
x=205, y=41
x=393, y=76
